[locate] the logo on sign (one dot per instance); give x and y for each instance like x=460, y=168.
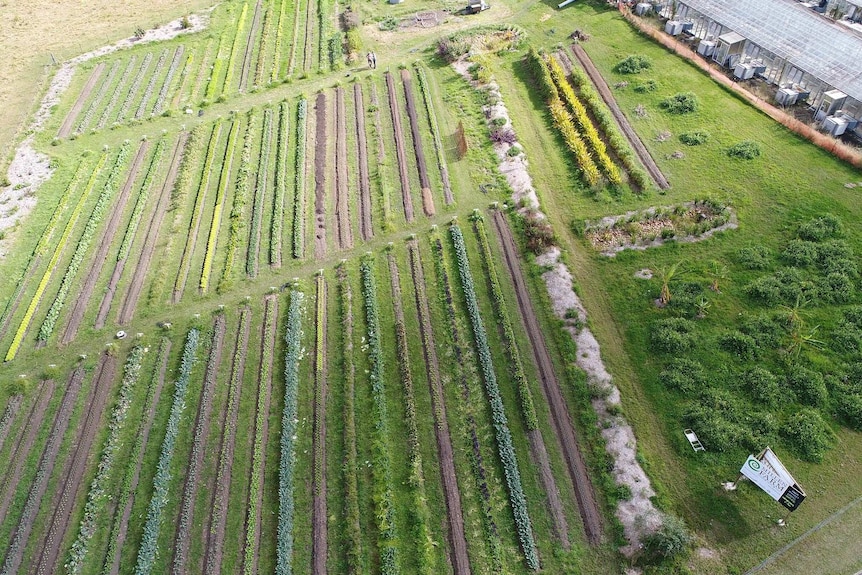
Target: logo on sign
x=754, y=464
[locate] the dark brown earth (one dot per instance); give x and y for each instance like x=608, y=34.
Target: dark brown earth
x=130, y=303
x=418, y=150
x=318, y=478
x=399, y=148
x=66, y=128
x=320, y=177
x=560, y=417
x=22, y=531
x=104, y=245
x=144, y=431
x=196, y=457
x=342, y=200
x=71, y=480
x=627, y=130
x=454, y=514
x=215, y=535
x=366, y=231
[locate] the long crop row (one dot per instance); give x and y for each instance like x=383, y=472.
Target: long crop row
x=111, y=184
x=435, y=133
x=240, y=199
x=141, y=201
x=563, y=120
x=498, y=411
x=148, y=549
x=96, y=103
x=260, y=190
x=224, y=181
x=136, y=86
x=275, y=242
x=234, y=51
x=118, y=90
x=151, y=85
x=292, y=357
x=159, y=106
x=279, y=39
x=299, y=181
x=388, y=539
x=97, y=496
x=583, y=120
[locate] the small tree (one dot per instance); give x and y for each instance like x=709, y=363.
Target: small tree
x=716, y=272
x=670, y=541
x=666, y=275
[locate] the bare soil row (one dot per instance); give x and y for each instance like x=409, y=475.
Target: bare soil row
x=366, y=230
x=418, y=150
x=342, y=211
x=320, y=176
x=399, y=148
x=72, y=116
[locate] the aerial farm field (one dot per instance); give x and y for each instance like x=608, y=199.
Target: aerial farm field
x=275, y=311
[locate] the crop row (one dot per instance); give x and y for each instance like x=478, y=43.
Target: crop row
x=98, y=99
x=224, y=181
x=148, y=549
x=148, y=91
x=419, y=509
x=141, y=201
x=279, y=39
x=166, y=84
x=215, y=70
x=136, y=85
x=292, y=357
x=349, y=466
x=111, y=184
x=240, y=197
x=608, y=125
x=584, y=122
x=257, y=462
x=260, y=189
x=280, y=186
x=299, y=181
x=97, y=496
x=264, y=47
x=435, y=133
x=118, y=90
x=126, y=487
x=234, y=50
x=528, y=409
x=498, y=411
x=563, y=120
x=387, y=541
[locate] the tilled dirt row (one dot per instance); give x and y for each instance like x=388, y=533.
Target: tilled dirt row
x=318, y=449
x=112, y=564
x=320, y=176
x=635, y=141
x=71, y=480
x=8, y=417
x=182, y=540
x=342, y=210
x=104, y=245
x=399, y=148
x=22, y=531
x=249, y=48
x=215, y=535
x=561, y=419
x=130, y=302
x=66, y=128
x=418, y=150
x=22, y=443
x=454, y=514
x=366, y=231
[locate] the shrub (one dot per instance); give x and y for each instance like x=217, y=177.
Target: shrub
x=681, y=103
x=836, y=288
x=800, y=253
x=648, y=86
x=739, y=344
x=762, y=385
x=388, y=24
x=809, y=434
x=745, y=150
x=754, y=257
x=820, y=228
x=538, y=232
x=684, y=375
x=694, y=138
x=764, y=329
x=672, y=335
x=633, y=64
x=848, y=406
x=715, y=429
x=846, y=338
x=808, y=385
x=671, y=540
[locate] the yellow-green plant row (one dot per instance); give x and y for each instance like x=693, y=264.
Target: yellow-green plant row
x=234, y=51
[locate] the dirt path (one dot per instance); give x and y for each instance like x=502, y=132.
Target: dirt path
x=71, y=481
x=399, y=148
x=143, y=436
x=320, y=177
x=249, y=48
x=130, y=303
x=623, y=123
x=539, y=458
x=562, y=423
x=267, y=337
x=22, y=531
x=366, y=231
x=8, y=417
x=318, y=478
x=342, y=202
x=418, y=150
x=72, y=116
x=21, y=446
x=215, y=535
x=196, y=457
x=454, y=514
x=105, y=241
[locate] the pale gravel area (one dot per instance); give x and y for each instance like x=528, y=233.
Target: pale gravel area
x=29, y=168
x=638, y=515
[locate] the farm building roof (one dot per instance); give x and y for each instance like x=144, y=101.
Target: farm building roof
x=793, y=32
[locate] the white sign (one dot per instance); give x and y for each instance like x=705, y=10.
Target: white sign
x=762, y=474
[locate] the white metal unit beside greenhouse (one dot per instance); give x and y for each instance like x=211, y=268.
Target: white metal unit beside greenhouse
x=835, y=125
x=706, y=48
x=744, y=71
x=643, y=8
x=673, y=27
x=786, y=96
